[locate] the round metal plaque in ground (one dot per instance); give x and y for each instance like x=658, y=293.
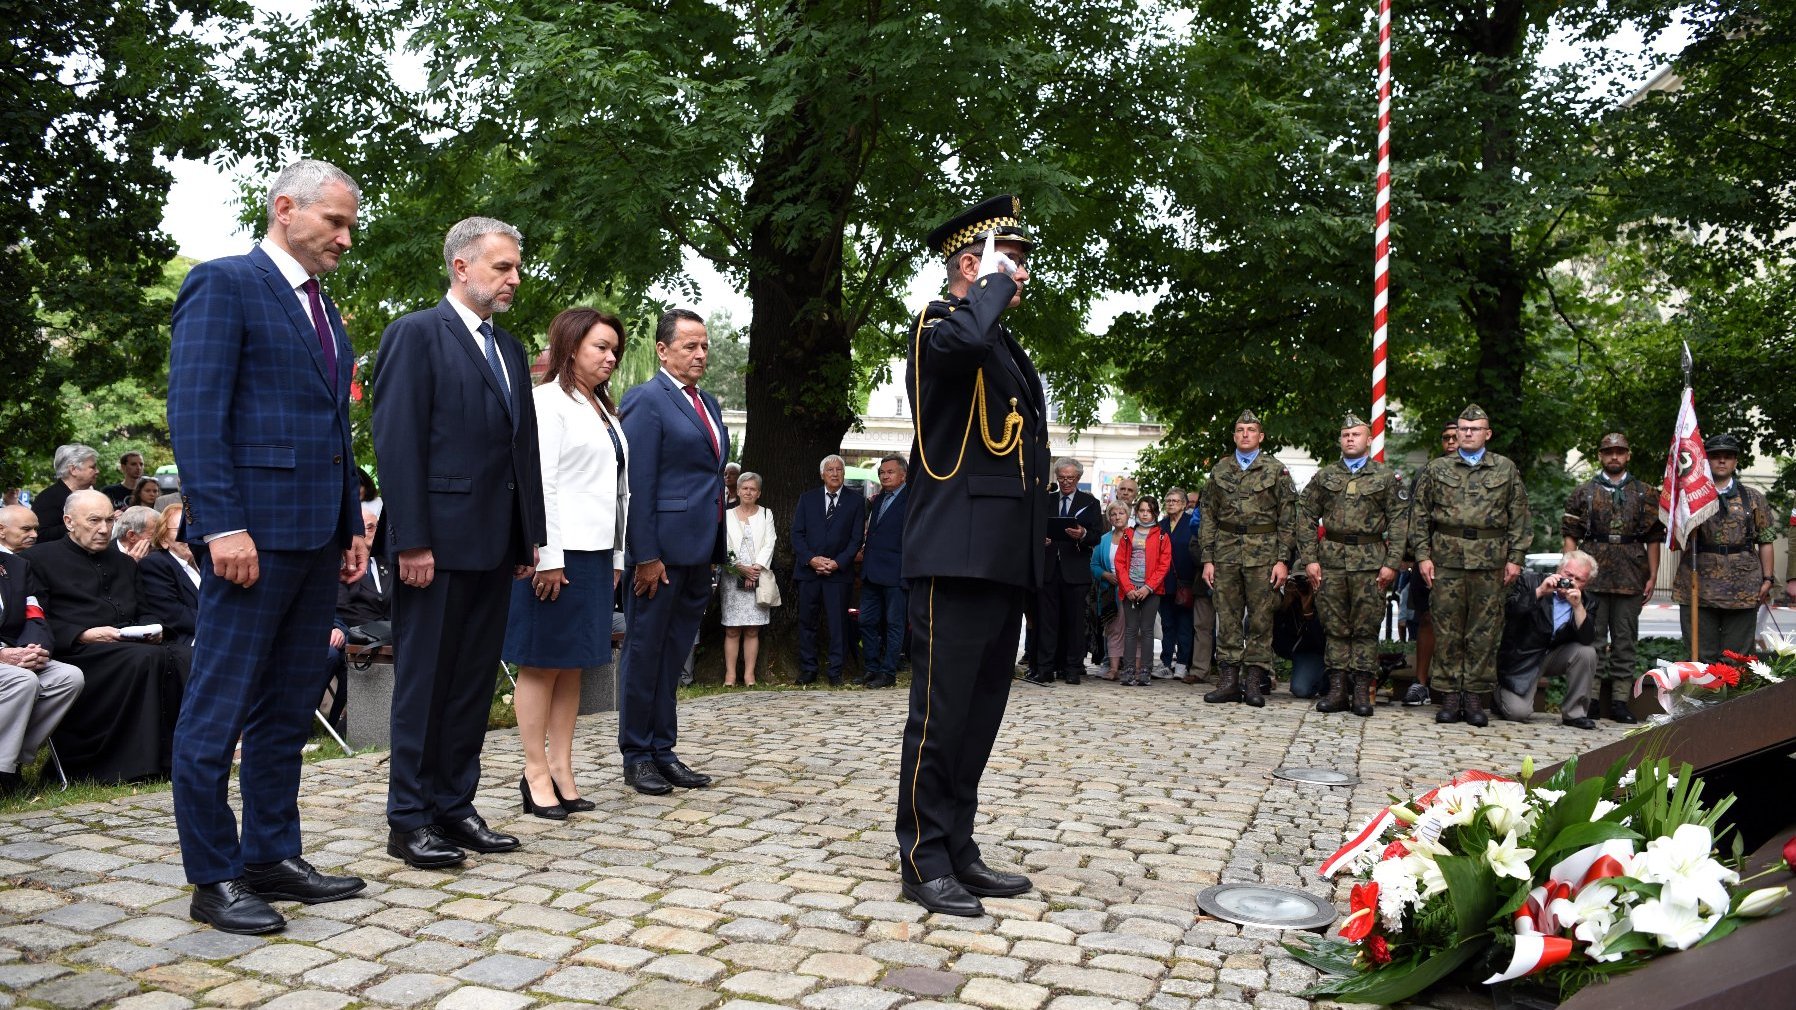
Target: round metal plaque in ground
x=1263, y=905
x=1316, y=776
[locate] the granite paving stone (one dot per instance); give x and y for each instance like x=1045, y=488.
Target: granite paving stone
x=778, y=885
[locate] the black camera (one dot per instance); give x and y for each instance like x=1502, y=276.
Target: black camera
x=1563, y=582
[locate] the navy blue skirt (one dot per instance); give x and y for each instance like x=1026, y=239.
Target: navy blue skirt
x=574, y=629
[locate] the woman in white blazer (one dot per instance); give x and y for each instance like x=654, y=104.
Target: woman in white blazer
x=749, y=533
x=561, y=618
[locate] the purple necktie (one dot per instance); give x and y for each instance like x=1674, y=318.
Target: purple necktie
x=327, y=341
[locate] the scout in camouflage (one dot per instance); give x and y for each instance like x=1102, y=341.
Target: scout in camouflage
x=1362, y=511
x=1614, y=517
x=1248, y=532
x=1734, y=557
x=1469, y=533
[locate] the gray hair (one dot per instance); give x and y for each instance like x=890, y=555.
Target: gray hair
x=304, y=182
x=1066, y=461
x=903, y=467
x=751, y=477
x=73, y=455
x=821, y=464
x=470, y=230
x=1580, y=557
x=138, y=519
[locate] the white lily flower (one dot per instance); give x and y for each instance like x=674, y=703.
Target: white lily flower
x=1771, y=641
x=1458, y=804
x=1428, y=874
x=1599, y=950
x=1506, y=808
x=1601, y=809
x=1595, y=902
x=1676, y=924
x=1507, y=859
x=1762, y=901
x=1683, y=865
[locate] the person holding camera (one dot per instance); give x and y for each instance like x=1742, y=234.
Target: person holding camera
x=1549, y=630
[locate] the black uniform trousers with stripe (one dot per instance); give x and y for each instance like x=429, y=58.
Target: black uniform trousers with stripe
x=963, y=655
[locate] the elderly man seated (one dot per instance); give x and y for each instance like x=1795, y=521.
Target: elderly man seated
x=136, y=530
x=35, y=690
x=1549, y=631
x=92, y=596
x=18, y=528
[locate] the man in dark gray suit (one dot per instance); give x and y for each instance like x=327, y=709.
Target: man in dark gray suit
x=455, y=434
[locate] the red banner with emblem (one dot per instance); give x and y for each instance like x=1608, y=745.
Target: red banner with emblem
x=1687, y=497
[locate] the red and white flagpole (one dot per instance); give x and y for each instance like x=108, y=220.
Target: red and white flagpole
x=1381, y=270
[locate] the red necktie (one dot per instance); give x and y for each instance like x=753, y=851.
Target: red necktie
x=327, y=341
x=704, y=418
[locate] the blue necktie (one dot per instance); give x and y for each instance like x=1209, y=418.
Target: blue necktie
x=492, y=360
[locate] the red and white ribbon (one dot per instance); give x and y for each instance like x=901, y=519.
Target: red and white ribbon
x=1368, y=836
x=1533, y=952
x=1536, y=944
x=1669, y=676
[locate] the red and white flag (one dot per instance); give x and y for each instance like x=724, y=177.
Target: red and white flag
x=1687, y=497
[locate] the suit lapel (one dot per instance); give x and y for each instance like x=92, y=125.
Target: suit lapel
x=683, y=404
x=459, y=335
x=302, y=323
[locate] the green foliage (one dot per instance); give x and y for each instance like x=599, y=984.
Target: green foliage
x=97, y=94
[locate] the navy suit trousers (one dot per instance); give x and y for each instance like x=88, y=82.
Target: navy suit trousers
x=446, y=642
x=257, y=672
x=658, y=636
x=831, y=598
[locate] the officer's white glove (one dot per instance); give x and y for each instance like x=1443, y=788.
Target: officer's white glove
x=992, y=261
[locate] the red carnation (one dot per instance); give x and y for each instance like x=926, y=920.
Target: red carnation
x=1790, y=854
x=1379, y=950
x=1364, y=913
x=1728, y=675
x=1394, y=850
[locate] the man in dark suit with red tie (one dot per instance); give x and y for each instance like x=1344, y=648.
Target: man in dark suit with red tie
x=827, y=525
x=972, y=549
x=455, y=436
x=258, y=407
x=678, y=448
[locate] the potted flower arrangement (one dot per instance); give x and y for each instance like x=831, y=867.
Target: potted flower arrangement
x=1688, y=686
x=1560, y=882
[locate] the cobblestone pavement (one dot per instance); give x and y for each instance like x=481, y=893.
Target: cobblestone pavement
x=776, y=886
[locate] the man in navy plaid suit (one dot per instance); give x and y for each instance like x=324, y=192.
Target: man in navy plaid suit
x=258, y=405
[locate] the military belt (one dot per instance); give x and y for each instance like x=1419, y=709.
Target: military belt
x=1725, y=548
x=1229, y=527
x=1618, y=538
x=1471, y=532
x=1352, y=539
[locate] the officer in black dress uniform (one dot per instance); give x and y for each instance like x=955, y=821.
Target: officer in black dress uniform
x=972, y=548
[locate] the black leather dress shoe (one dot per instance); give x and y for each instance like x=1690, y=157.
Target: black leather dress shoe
x=472, y=833
x=680, y=775
x=229, y=907
x=423, y=848
x=1039, y=678
x=944, y=895
x=805, y=679
x=297, y=880
x=1581, y=722
x=986, y=882
x=643, y=778
x=1619, y=712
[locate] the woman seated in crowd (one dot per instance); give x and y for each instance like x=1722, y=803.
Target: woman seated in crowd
x=171, y=581
x=1103, y=572
x=749, y=529
x=144, y=492
x=561, y=617
x=1297, y=635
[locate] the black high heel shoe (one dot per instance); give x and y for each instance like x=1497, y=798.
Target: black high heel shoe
x=551, y=813
x=574, y=806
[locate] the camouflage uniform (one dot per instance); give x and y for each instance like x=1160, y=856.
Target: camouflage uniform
x=1470, y=520
x=1616, y=524
x=1249, y=525
x=1727, y=549
x=1364, y=518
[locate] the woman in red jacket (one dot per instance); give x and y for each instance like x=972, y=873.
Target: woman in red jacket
x=1142, y=557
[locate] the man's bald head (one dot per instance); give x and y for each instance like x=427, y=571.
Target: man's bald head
x=88, y=515
x=18, y=527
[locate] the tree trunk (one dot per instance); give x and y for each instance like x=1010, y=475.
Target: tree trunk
x=800, y=386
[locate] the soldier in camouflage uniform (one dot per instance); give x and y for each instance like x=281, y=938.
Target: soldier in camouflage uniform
x=1614, y=517
x=1363, y=512
x=1469, y=533
x=1733, y=550
x=1247, y=536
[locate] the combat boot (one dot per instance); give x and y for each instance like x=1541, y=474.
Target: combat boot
x=1473, y=703
x=1362, y=693
x=1337, y=693
x=1252, y=687
x=1449, y=707
x=1228, y=684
